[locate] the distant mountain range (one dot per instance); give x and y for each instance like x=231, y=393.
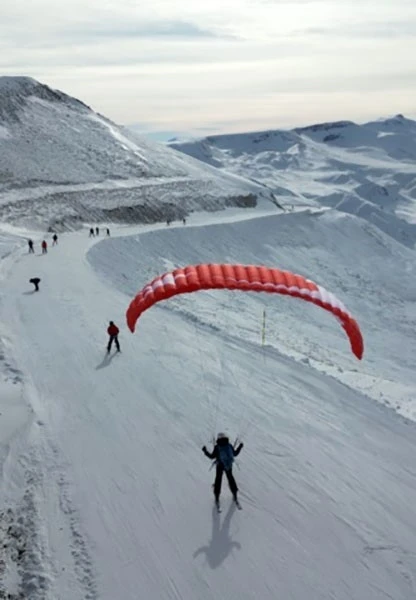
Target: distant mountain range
x=367, y=170
x=62, y=165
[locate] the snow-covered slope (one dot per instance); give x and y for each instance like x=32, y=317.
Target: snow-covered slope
x=62, y=163
x=326, y=246
x=105, y=492
x=360, y=169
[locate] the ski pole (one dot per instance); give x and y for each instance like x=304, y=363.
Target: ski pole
x=263, y=330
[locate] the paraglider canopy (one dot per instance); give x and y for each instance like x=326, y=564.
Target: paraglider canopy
x=253, y=278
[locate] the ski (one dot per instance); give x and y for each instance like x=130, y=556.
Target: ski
x=237, y=503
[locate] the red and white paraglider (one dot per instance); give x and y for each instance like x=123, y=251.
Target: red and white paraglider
x=249, y=278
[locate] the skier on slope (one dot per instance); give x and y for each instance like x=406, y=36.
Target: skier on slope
x=113, y=332
x=223, y=453
x=35, y=281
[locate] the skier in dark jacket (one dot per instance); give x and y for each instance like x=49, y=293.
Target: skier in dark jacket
x=224, y=453
x=31, y=249
x=113, y=332
x=35, y=281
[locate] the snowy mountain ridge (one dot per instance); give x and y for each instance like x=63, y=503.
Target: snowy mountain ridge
x=62, y=164
x=368, y=170
x=17, y=92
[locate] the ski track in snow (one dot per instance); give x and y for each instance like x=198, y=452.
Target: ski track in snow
x=106, y=492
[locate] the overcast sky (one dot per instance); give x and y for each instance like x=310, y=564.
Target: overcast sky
x=205, y=66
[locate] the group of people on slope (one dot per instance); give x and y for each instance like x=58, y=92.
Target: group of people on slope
x=44, y=246
x=169, y=221
x=96, y=231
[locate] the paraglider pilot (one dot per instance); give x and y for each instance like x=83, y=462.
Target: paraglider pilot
x=223, y=453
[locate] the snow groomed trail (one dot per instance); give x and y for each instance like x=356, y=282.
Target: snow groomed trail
x=117, y=499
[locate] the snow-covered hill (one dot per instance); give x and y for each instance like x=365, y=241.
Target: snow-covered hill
x=366, y=170
x=62, y=164
x=105, y=492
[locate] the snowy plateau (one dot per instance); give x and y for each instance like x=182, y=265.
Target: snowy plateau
x=105, y=493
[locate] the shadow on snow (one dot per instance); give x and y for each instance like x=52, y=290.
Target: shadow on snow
x=106, y=361
x=221, y=544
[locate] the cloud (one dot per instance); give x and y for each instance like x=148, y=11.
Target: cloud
x=180, y=29
x=93, y=33
x=194, y=65
x=392, y=29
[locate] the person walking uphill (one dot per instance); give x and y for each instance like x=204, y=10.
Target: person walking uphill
x=224, y=454
x=113, y=332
